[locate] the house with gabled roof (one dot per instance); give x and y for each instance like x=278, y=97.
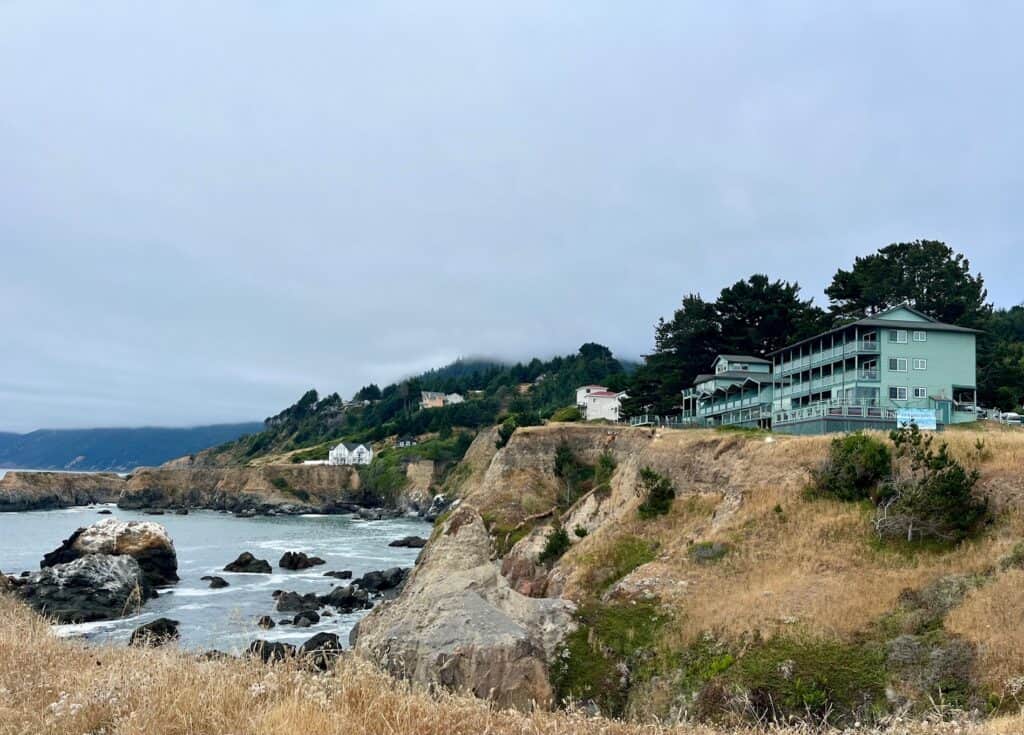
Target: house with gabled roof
x=351, y=453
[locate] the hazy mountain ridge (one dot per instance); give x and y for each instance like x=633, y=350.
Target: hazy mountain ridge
x=118, y=449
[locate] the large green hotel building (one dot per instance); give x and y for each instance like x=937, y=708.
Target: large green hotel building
x=872, y=373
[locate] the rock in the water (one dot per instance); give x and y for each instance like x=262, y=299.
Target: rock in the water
x=269, y=652
x=266, y=622
x=382, y=580
x=295, y=560
x=216, y=583
x=249, y=564
x=156, y=633
x=347, y=599
x=306, y=618
x=144, y=541
x=458, y=623
x=321, y=651
x=409, y=542
x=294, y=602
x=345, y=574
x=105, y=512
x=93, y=587
x=181, y=511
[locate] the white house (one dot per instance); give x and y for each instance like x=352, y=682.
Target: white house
x=597, y=402
x=452, y=398
x=350, y=453
x=432, y=399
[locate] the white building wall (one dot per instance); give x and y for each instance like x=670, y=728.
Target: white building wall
x=596, y=408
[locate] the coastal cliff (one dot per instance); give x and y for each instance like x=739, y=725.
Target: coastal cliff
x=320, y=488
x=679, y=613
x=20, y=491
x=287, y=488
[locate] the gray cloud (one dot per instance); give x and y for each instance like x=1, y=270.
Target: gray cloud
x=207, y=208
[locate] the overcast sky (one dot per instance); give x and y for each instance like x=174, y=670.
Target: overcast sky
x=208, y=207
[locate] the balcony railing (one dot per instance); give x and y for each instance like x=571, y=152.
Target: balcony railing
x=829, y=354
x=866, y=409
x=671, y=422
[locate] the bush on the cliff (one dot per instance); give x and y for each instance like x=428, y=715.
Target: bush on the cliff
x=567, y=414
x=931, y=495
x=613, y=643
x=556, y=545
x=856, y=465
x=786, y=678
x=657, y=492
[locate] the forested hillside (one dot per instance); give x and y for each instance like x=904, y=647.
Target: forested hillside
x=523, y=393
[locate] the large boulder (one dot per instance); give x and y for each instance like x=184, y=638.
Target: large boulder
x=5, y=584
x=144, y=541
x=347, y=599
x=270, y=652
x=295, y=560
x=458, y=623
x=321, y=651
x=92, y=587
x=383, y=580
x=248, y=564
x=155, y=633
x=294, y=602
x=409, y=542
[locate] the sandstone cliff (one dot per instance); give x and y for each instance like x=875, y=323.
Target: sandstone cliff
x=47, y=490
x=321, y=488
x=458, y=624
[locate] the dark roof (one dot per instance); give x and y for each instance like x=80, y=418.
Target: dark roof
x=350, y=446
x=406, y=438
x=932, y=325
x=735, y=375
x=745, y=358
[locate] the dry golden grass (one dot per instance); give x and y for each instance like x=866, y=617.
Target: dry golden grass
x=793, y=561
x=53, y=687
x=991, y=618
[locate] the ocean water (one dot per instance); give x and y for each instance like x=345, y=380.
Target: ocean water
x=205, y=541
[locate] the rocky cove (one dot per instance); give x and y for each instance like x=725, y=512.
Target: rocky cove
x=284, y=489
x=643, y=616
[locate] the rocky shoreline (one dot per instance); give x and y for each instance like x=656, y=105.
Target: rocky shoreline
x=244, y=491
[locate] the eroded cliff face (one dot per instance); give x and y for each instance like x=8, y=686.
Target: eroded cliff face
x=321, y=488
x=21, y=491
x=459, y=624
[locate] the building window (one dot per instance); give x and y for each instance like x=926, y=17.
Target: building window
x=920, y=392
x=920, y=363
x=898, y=335
x=920, y=335
x=897, y=392
x=898, y=364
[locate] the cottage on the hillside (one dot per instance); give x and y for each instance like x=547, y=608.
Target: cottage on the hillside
x=350, y=453
x=596, y=402
x=406, y=441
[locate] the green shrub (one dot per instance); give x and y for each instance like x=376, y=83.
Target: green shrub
x=627, y=554
x=557, y=544
x=576, y=475
x=791, y=677
x=567, y=414
x=611, y=639
x=932, y=496
x=657, y=492
x=603, y=472
x=580, y=532
x=505, y=431
x=856, y=465
x=281, y=484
